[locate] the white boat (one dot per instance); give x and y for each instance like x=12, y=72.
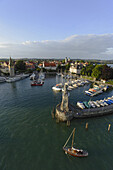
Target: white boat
x=75, y=85
x=101, y=103
x=57, y=87
x=81, y=105
x=96, y=104
x=71, y=87
x=91, y=104
x=88, y=93
x=105, y=104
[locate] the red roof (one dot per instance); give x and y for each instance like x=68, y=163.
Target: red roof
x=49, y=64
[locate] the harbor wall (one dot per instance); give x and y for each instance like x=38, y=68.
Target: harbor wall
x=79, y=113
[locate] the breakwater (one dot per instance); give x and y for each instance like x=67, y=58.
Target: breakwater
x=79, y=113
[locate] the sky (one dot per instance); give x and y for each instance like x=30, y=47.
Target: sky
x=56, y=29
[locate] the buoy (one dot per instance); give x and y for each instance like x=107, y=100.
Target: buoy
x=109, y=127
x=86, y=125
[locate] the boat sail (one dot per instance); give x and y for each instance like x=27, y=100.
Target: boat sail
x=72, y=150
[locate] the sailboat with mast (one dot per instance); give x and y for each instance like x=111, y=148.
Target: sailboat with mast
x=72, y=150
x=37, y=81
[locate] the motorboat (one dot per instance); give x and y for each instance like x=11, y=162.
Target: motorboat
x=57, y=87
x=81, y=105
x=88, y=93
x=91, y=104
x=96, y=104
x=101, y=103
x=86, y=104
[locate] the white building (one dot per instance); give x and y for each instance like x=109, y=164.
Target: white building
x=76, y=68
x=49, y=66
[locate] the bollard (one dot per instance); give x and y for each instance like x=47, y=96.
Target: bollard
x=68, y=123
x=109, y=127
x=86, y=125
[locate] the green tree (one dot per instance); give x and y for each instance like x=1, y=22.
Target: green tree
x=20, y=66
x=68, y=66
x=107, y=72
x=89, y=69
x=97, y=71
x=83, y=71
x=38, y=69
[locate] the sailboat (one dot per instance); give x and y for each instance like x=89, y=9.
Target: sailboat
x=37, y=81
x=72, y=150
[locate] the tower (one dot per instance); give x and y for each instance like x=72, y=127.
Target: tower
x=64, y=104
x=11, y=68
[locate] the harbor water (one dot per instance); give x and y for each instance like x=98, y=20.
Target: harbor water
x=31, y=140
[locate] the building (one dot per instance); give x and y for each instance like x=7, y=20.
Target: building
x=30, y=65
x=76, y=68
x=49, y=65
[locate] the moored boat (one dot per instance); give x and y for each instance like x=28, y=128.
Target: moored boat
x=57, y=87
x=81, y=105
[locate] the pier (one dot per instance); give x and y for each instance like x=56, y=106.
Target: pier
x=66, y=111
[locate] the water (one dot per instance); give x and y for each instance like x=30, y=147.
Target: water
x=31, y=140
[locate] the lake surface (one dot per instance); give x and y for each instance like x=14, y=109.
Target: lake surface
x=31, y=140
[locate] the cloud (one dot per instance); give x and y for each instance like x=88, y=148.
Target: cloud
x=89, y=46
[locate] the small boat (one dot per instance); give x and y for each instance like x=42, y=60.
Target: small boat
x=72, y=150
x=96, y=104
x=88, y=93
x=101, y=103
x=87, y=104
x=57, y=87
x=81, y=105
x=37, y=83
x=91, y=104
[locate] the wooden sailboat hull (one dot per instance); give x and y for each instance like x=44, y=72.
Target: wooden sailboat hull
x=75, y=152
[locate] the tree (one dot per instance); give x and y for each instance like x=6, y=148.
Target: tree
x=68, y=66
x=87, y=70
x=97, y=71
x=83, y=71
x=107, y=72
x=20, y=66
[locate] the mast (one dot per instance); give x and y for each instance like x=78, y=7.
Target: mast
x=69, y=138
x=73, y=137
